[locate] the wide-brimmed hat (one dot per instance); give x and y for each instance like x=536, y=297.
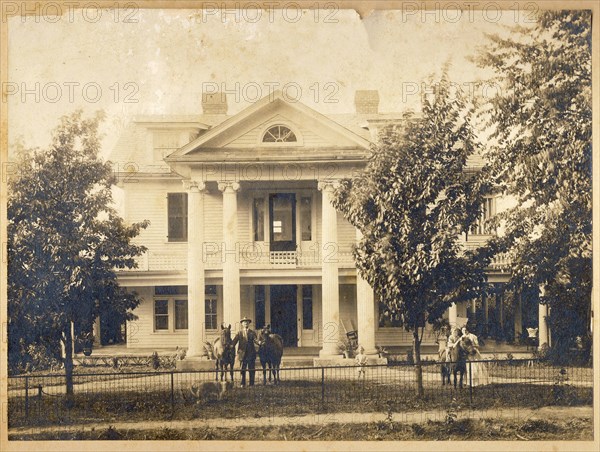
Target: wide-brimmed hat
x=245, y=319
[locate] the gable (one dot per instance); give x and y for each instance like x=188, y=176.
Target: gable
x=308, y=133
x=245, y=130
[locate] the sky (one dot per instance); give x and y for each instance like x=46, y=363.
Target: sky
x=152, y=61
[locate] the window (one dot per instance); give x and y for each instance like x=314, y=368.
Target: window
x=170, y=303
x=210, y=307
x=177, y=208
x=306, y=218
x=165, y=142
x=258, y=219
x=279, y=134
x=259, y=306
x=307, y=308
x=481, y=227
x=181, y=314
x=161, y=314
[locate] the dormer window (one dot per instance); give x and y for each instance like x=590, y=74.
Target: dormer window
x=279, y=134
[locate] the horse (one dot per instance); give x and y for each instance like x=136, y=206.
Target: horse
x=458, y=357
x=224, y=353
x=270, y=351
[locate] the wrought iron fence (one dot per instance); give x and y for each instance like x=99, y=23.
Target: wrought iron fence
x=489, y=388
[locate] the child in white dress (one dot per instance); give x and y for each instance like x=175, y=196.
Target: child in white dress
x=361, y=360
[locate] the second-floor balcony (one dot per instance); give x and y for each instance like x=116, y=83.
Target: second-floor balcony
x=246, y=259
x=254, y=258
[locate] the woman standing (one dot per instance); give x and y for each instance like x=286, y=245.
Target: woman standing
x=479, y=372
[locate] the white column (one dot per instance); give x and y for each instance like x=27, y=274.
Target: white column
x=365, y=310
x=453, y=315
x=542, y=322
x=195, y=268
x=230, y=256
x=330, y=300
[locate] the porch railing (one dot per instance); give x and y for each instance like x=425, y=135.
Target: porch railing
x=247, y=257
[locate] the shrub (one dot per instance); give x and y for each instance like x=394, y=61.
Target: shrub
x=410, y=357
x=38, y=357
x=111, y=434
x=155, y=361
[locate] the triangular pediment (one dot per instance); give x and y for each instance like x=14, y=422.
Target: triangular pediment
x=246, y=129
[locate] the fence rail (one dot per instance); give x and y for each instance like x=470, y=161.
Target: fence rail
x=490, y=386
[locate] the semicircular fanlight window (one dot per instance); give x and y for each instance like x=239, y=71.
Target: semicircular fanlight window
x=279, y=134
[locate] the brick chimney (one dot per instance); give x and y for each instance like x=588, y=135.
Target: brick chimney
x=214, y=103
x=366, y=101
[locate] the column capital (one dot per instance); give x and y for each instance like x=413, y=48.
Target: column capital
x=227, y=186
x=194, y=186
x=328, y=184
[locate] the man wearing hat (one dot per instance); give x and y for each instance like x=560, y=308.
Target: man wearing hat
x=246, y=352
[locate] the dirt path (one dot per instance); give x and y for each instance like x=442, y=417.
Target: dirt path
x=409, y=417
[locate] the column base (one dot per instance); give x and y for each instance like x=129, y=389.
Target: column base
x=324, y=353
x=371, y=351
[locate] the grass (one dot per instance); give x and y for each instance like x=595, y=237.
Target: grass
x=291, y=397
x=463, y=429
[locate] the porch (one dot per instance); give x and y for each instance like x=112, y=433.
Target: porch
x=304, y=356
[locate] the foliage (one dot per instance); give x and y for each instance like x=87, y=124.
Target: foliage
x=65, y=242
x=452, y=411
x=155, y=360
x=540, y=153
x=412, y=203
x=381, y=351
x=489, y=428
x=346, y=346
x=39, y=357
x=441, y=328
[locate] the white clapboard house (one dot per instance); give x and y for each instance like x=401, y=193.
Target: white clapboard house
x=241, y=224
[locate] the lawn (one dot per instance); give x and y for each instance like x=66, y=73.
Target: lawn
x=291, y=397
x=579, y=429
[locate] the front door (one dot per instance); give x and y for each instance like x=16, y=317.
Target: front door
x=283, y=314
x=282, y=214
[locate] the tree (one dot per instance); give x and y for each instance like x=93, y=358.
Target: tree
x=412, y=203
x=65, y=241
x=541, y=130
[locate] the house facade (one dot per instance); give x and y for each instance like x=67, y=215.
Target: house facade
x=242, y=225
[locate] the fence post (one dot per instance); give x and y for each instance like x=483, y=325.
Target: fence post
x=172, y=392
x=27, y=397
x=40, y=392
x=471, y=382
x=323, y=384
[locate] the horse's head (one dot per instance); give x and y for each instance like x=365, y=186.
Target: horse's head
x=263, y=334
x=467, y=345
x=225, y=335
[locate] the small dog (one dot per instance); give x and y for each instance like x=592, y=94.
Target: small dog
x=210, y=391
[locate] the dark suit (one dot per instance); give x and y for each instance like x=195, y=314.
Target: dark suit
x=246, y=353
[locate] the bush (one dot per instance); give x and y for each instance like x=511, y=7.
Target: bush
x=39, y=357
x=410, y=359
x=155, y=361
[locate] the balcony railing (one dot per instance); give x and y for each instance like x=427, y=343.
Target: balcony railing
x=257, y=259
x=247, y=259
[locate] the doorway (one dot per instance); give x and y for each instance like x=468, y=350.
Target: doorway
x=284, y=311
